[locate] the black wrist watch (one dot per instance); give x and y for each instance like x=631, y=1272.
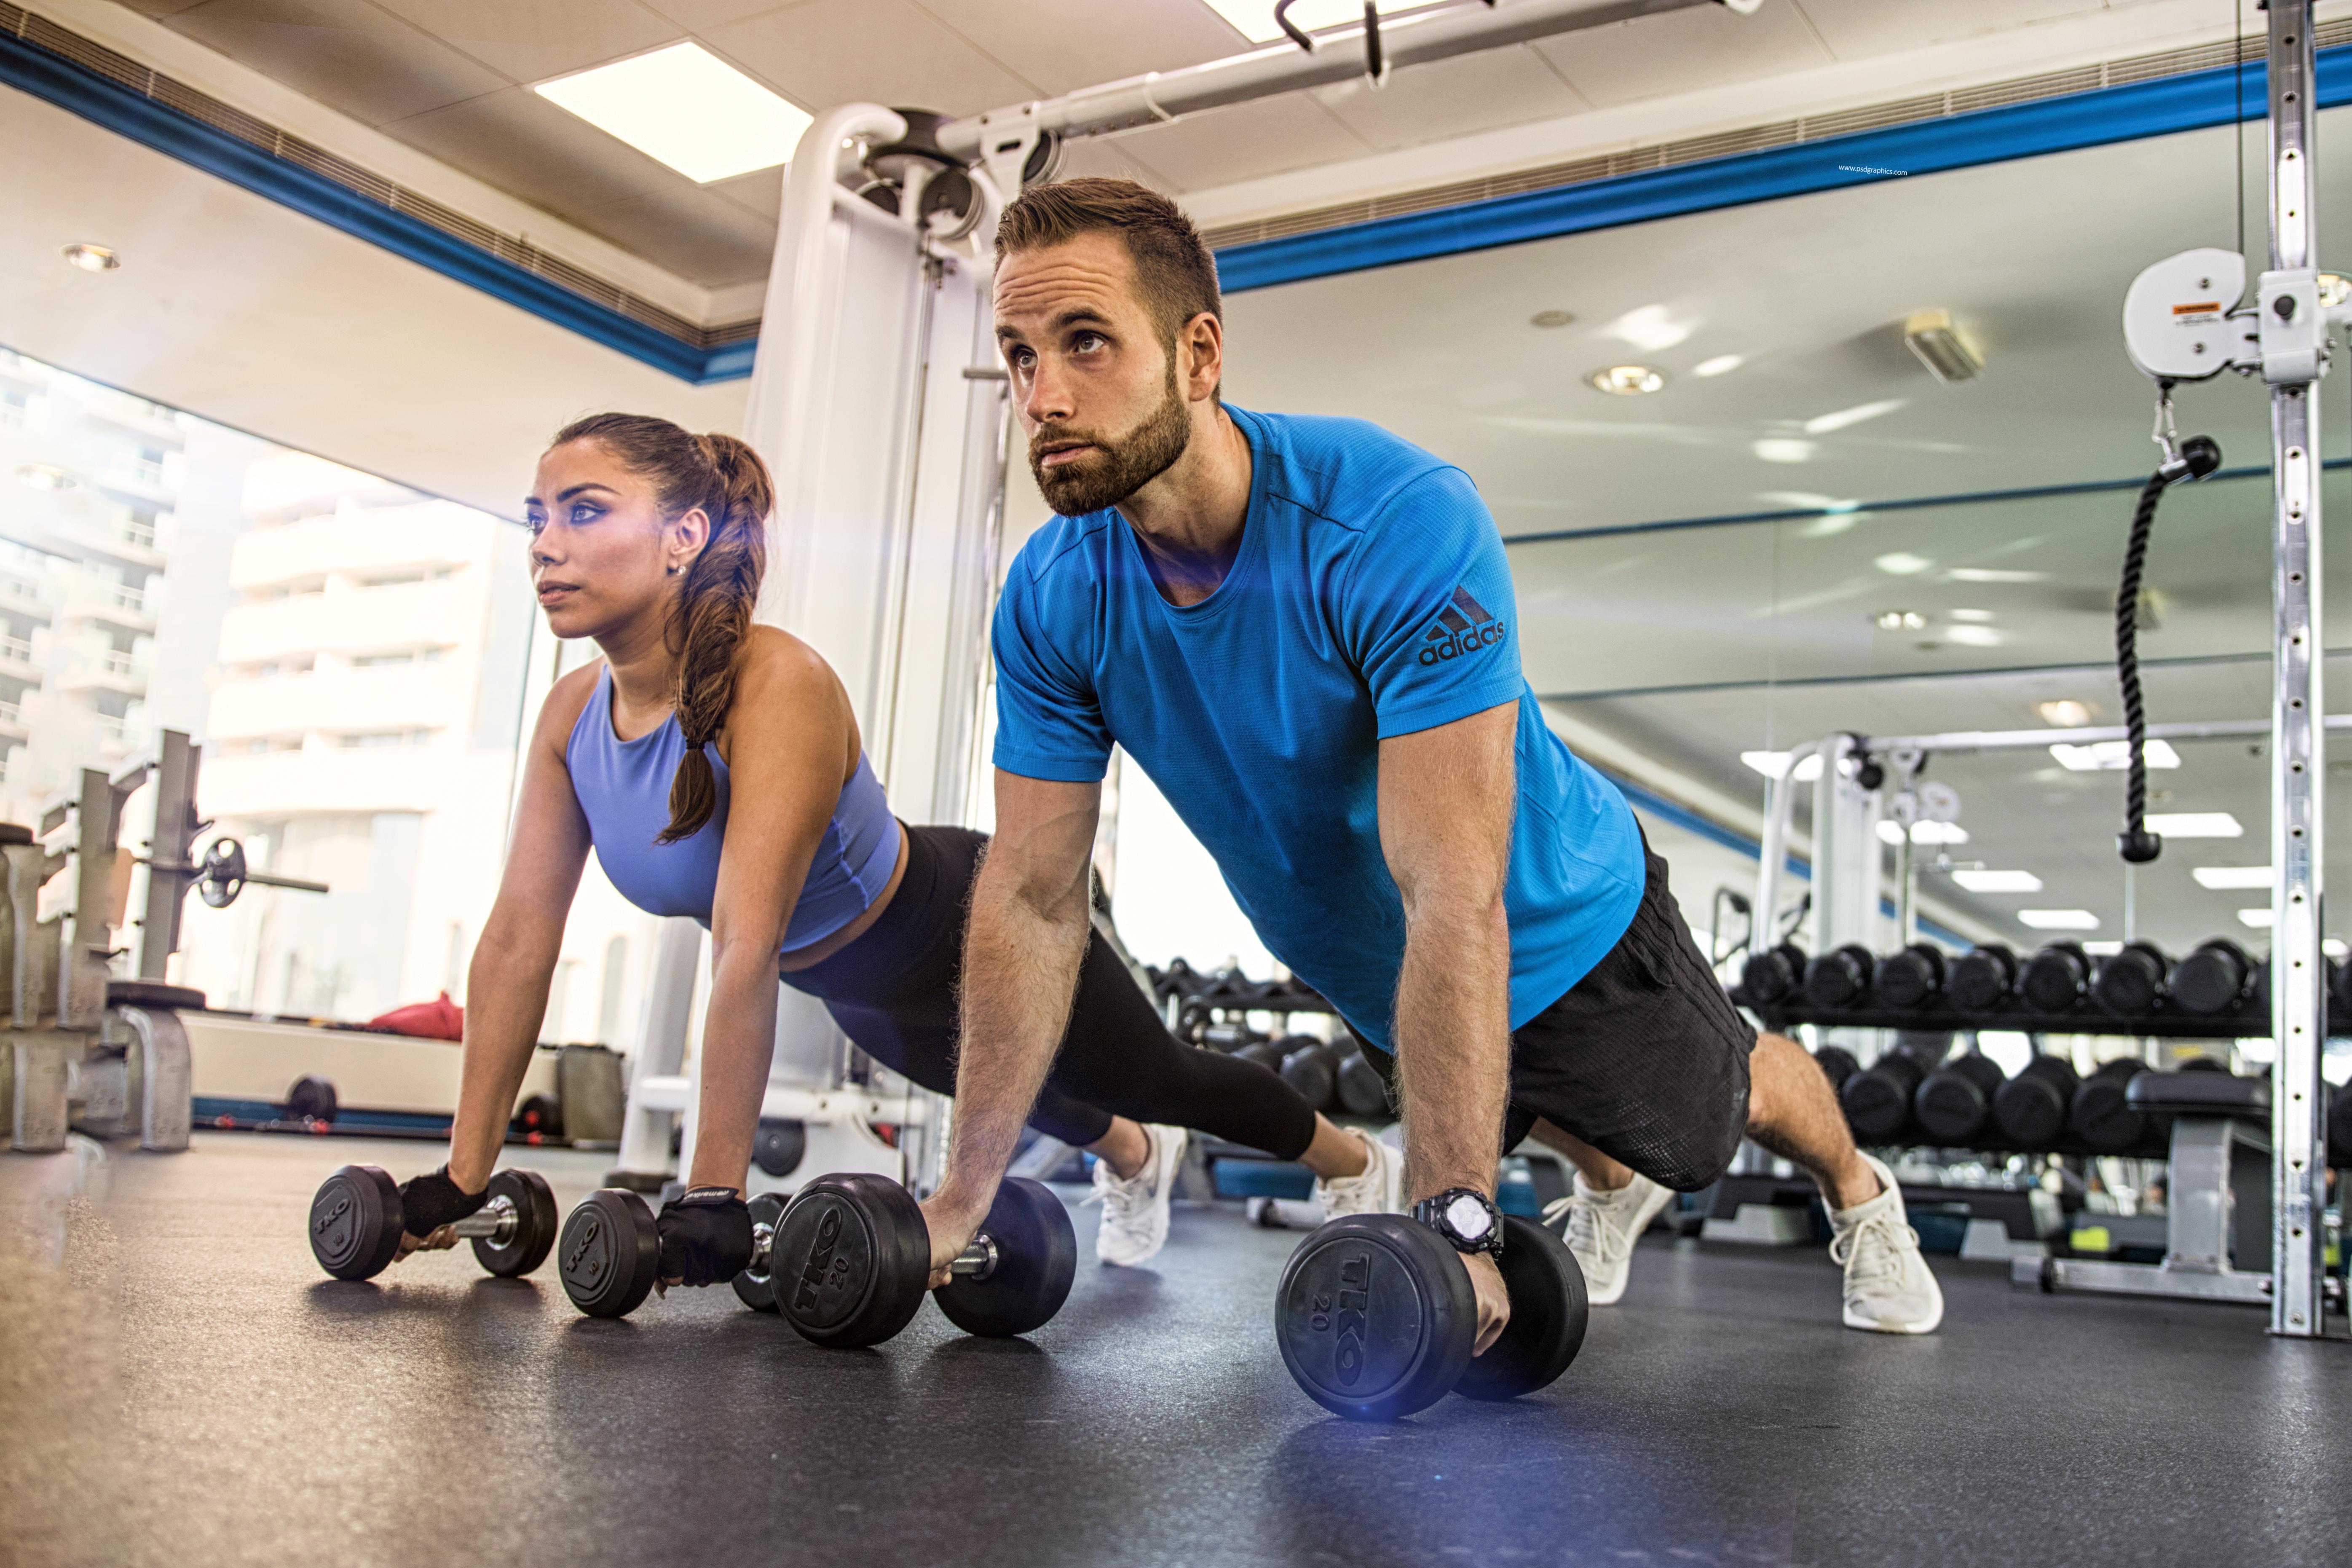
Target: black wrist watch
x=1464, y=1217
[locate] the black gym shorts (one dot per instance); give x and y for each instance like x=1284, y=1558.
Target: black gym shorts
x=1645, y=1058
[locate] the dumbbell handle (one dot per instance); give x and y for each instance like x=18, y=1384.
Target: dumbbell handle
x=977, y=1260
x=494, y=1221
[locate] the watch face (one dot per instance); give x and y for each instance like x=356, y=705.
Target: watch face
x=1468, y=1219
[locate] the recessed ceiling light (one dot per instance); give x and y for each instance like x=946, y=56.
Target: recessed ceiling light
x=2233, y=875
x=1995, y=574
x=1650, y=328
x=42, y=477
x=1775, y=765
x=1902, y=563
x=1975, y=636
x=1721, y=364
x=1998, y=882
x=1969, y=614
x=2063, y=712
x=2195, y=825
x=1551, y=318
x=2258, y=918
x=1891, y=832
x=1627, y=379
x=92, y=258
x=2058, y=919
x=687, y=108
x=1949, y=353
x=1899, y=621
x=1783, y=449
x=2112, y=756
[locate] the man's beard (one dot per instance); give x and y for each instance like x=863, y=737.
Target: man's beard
x=1114, y=471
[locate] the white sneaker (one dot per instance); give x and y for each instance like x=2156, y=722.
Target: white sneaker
x=1135, y=1210
x=1889, y=1288
x=1602, y=1227
x=1377, y=1188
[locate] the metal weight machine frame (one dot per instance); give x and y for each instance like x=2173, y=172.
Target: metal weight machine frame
x=877, y=395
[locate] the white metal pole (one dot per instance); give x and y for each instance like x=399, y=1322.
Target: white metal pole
x=2297, y=748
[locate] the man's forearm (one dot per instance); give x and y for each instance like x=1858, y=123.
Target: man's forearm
x=1020, y=971
x=738, y=1041
x=505, y=996
x=1454, y=1046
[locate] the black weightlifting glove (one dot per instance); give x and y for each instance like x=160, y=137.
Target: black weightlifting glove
x=431, y=1201
x=706, y=1236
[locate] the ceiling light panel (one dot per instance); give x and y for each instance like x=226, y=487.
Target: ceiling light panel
x=1998, y=882
x=2112, y=756
x=2195, y=825
x=2233, y=875
x=687, y=108
x=1775, y=765
x=2260, y=920
x=2058, y=919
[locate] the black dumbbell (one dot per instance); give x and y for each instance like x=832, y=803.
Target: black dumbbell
x=855, y=1255
x=1375, y=1316
x=355, y=1223
x=312, y=1098
x=1362, y=1090
x=2100, y=1116
x=1981, y=978
x=2130, y=981
x=2055, y=978
x=1906, y=979
x=1773, y=974
x=1878, y=1101
x=1311, y=1068
x=1837, y=1063
x=1953, y=1103
x=2215, y=977
x=1838, y=977
x=1267, y=1054
x=2031, y=1108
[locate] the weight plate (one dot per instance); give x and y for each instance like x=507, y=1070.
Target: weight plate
x=753, y=1286
x=355, y=1223
x=1036, y=1262
x=609, y=1252
x=850, y=1259
x=1375, y=1317
x=536, y=1221
x=1549, y=1310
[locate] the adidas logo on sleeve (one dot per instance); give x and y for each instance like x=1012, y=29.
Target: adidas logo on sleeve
x=1464, y=627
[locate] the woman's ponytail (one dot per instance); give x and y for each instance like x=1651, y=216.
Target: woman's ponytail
x=712, y=613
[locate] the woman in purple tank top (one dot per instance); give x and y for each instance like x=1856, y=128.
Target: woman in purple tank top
x=769, y=829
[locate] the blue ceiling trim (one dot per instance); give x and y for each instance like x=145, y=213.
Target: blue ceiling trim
x=58, y=80
x=2191, y=101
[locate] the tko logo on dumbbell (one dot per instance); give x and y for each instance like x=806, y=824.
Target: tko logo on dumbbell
x=1353, y=1309
x=585, y=1260
x=820, y=1260
x=326, y=1222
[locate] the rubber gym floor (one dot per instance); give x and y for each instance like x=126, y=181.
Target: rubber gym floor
x=181, y=1385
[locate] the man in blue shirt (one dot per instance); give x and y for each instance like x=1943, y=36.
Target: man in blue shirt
x=1304, y=631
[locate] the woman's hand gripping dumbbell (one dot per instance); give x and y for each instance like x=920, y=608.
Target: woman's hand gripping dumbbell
x=846, y=1262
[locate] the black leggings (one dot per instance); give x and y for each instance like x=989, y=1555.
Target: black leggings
x=894, y=990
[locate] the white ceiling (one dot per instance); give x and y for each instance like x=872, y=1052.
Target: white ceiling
x=452, y=78
x=242, y=311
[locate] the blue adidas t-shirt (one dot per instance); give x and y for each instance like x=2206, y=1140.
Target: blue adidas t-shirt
x=1371, y=598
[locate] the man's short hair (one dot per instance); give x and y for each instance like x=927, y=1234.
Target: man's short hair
x=1175, y=272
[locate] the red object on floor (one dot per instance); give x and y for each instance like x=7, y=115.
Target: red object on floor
x=440, y=1019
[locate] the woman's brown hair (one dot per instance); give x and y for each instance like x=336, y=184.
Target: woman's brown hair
x=712, y=612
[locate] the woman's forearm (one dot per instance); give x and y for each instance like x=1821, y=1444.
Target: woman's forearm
x=738, y=1037
x=506, y=997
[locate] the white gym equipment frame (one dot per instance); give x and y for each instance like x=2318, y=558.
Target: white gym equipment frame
x=878, y=401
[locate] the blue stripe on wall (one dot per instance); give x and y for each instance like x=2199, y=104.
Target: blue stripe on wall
x=2189, y=102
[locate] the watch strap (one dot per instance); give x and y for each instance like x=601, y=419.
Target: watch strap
x=1431, y=1211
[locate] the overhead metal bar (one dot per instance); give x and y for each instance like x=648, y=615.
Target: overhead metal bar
x=1158, y=96
x=2083, y=735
